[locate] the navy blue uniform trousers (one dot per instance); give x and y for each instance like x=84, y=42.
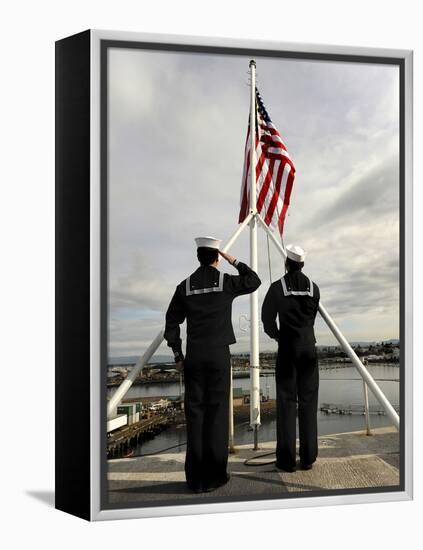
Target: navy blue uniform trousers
x=207, y=385
x=297, y=380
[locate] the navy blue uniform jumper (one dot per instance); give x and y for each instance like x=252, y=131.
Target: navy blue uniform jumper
x=205, y=299
x=294, y=299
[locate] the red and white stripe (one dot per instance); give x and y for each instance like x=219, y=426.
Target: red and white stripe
x=275, y=174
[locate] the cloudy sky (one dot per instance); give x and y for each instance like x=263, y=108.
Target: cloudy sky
x=177, y=127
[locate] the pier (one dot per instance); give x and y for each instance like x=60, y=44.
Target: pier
x=122, y=441
x=329, y=408
x=351, y=460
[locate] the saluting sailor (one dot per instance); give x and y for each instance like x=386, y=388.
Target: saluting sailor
x=294, y=299
x=204, y=299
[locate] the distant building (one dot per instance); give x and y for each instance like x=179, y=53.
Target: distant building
x=119, y=369
x=112, y=374
x=238, y=397
x=132, y=411
x=242, y=397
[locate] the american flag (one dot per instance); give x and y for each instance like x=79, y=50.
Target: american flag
x=275, y=172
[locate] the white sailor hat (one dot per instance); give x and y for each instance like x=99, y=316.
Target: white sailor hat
x=295, y=253
x=209, y=242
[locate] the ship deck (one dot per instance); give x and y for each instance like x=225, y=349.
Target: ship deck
x=346, y=461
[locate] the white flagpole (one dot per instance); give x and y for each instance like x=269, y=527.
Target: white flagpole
x=254, y=325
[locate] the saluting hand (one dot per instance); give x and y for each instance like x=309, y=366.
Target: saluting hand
x=227, y=257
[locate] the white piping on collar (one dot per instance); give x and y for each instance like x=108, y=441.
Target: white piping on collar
x=218, y=288
x=287, y=292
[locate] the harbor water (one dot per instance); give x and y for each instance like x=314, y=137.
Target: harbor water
x=339, y=385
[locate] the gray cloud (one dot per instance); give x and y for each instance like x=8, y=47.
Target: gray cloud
x=375, y=191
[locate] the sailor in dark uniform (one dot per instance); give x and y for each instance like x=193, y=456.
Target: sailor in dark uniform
x=294, y=299
x=204, y=299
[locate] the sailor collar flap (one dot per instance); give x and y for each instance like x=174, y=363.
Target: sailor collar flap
x=289, y=291
x=217, y=286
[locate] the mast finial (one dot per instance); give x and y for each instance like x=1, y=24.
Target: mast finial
x=252, y=62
